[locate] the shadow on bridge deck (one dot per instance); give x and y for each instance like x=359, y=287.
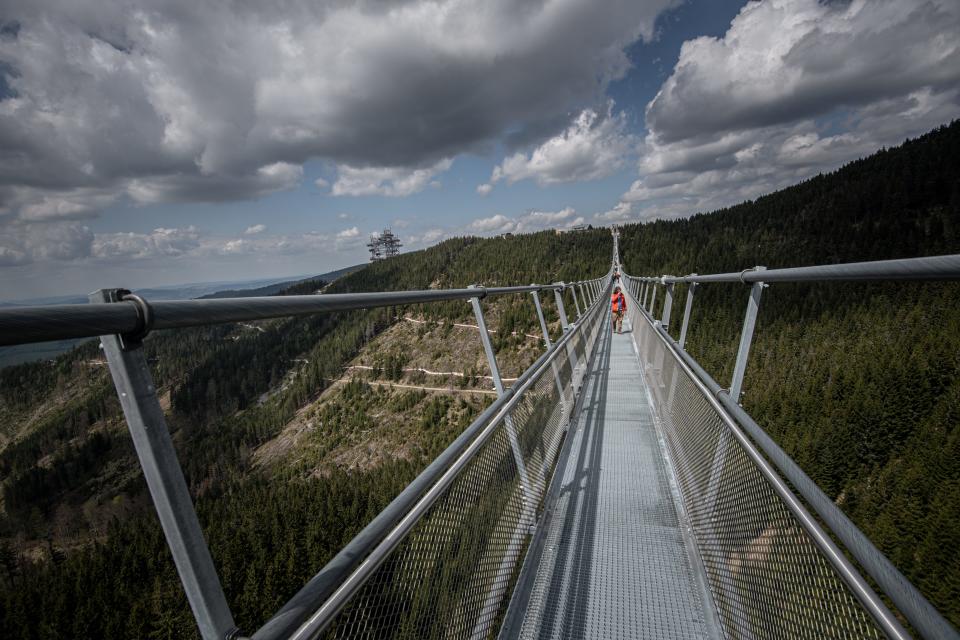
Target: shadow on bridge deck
x=612, y=560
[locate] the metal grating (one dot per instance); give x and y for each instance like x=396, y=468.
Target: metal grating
x=452, y=575
x=767, y=578
x=614, y=563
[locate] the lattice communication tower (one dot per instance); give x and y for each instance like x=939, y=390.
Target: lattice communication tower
x=383, y=245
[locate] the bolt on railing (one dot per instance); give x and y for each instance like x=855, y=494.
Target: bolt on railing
x=908, y=600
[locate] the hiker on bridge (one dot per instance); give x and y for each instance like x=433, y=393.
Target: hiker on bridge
x=618, y=305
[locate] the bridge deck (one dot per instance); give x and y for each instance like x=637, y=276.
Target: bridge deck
x=613, y=558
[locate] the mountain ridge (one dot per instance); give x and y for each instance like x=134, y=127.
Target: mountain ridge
x=839, y=411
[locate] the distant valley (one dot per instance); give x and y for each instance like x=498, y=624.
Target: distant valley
x=222, y=289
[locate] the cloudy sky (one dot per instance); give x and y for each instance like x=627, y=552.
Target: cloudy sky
x=148, y=142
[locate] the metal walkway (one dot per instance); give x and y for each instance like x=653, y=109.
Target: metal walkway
x=457, y=554
x=613, y=560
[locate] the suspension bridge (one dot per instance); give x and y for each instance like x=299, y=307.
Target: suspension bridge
x=614, y=490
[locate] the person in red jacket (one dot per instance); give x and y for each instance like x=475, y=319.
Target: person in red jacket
x=618, y=305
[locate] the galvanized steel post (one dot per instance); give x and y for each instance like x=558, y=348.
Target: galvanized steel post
x=571, y=352
x=573, y=292
x=746, y=337
x=498, y=385
x=653, y=297
x=546, y=339
x=558, y=296
x=543, y=320
x=667, y=306
x=686, y=313
x=161, y=470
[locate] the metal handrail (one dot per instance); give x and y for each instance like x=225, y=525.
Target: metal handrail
x=928, y=268
x=319, y=601
x=845, y=570
x=121, y=319
x=918, y=611
x=22, y=325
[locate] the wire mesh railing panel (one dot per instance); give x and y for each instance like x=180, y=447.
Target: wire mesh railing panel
x=452, y=575
x=767, y=577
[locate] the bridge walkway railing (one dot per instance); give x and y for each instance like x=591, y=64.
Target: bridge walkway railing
x=444, y=549
x=782, y=559
x=612, y=557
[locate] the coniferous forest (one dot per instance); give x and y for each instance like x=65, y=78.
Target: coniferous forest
x=81, y=552
x=859, y=382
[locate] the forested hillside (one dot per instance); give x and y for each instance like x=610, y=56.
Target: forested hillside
x=860, y=383
x=81, y=552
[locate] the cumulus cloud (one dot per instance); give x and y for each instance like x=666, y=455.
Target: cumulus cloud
x=795, y=87
x=786, y=60
x=594, y=146
x=159, y=242
x=255, y=229
x=498, y=223
x=431, y=236
x=621, y=212
x=23, y=244
x=209, y=101
x=385, y=181
x=528, y=222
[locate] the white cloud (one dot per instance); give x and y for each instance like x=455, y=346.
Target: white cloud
x=23, y=244
x=794, y=88
x=210, y=101
x=159, y=242
x=426, y=239
x=431, y=236
x=321, y=183
x=255, y=229
x=594, y=146
x=346, y=234
x=484, y=189
x=238, y=245
x=621, y=212
x=528, y=222
x=787, y=60
x=498, y=223
x=385, y=181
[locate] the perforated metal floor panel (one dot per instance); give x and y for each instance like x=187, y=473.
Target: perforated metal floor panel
x=613, y=562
